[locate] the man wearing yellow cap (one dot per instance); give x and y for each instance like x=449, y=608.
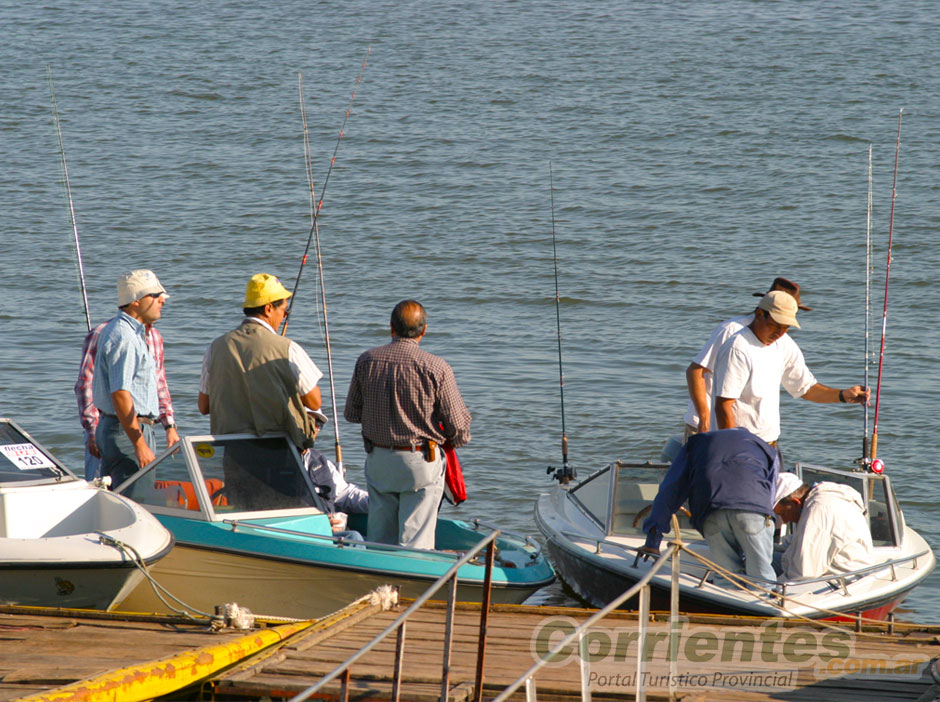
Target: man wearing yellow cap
x=754, y=363
x=256, y=381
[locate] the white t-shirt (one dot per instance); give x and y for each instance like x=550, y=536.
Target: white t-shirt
x=305, y=370
x=706, y=359
x=752, y=373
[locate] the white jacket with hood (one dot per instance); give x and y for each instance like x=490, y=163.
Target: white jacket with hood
x=832, y=535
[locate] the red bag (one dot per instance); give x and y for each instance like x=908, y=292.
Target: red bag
x=455, y=491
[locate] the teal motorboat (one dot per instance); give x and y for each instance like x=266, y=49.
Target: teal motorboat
x=250, y=528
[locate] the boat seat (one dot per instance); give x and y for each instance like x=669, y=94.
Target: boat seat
x=186, y=496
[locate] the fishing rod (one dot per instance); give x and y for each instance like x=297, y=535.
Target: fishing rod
x=314, y=230
x=315, y=235
x=566, y=473
x=68, y=191
x=326, y=324
x=865, y=455
x=884, y=316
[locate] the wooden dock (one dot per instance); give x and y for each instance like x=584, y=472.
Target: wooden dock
x=41, y=650
x=718, y=658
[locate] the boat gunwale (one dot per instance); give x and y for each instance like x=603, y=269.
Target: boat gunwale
x=90, y=565
x=763, y=610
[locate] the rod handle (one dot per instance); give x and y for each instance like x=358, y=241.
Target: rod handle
x=874, y=445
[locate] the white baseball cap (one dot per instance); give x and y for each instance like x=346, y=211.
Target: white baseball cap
x=787, y=484
x=318, y=415
x=137, y=284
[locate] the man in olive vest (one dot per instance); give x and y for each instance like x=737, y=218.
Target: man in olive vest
x=256, y=381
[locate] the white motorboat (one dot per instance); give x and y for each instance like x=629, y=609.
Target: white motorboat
x=593, y=531
x=63, y=541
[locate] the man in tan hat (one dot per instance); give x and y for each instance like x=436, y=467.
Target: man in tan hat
x=755, y=362
x=256, y=381
x=699, y=374
x=124, y=383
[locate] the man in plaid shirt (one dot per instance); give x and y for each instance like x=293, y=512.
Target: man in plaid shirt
x=409, y=406
x=88, y=413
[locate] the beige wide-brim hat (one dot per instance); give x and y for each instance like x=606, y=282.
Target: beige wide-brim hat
x=264, y=288
x=781, y=306
x=137, y=284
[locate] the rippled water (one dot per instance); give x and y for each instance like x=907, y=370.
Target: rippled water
x=697, y=149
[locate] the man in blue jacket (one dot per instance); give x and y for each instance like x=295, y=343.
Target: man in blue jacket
x=729, y=478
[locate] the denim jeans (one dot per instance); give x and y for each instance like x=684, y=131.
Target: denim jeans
x=92, y=465
x=118, y=458
x=350, y=535
x=741, y=541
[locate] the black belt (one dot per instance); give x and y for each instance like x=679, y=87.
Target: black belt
x=143, y=418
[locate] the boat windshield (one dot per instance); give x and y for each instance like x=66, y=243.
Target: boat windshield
x=23, y=460
x=884, y=514
x=616, y=496
x=232, y=474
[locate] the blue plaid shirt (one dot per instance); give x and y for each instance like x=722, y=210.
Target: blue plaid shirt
x=123, y=362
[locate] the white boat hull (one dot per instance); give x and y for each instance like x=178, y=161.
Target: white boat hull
x=68, y=586
x=61, y=545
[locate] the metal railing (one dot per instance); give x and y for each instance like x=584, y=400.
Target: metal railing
x=643, y=588
x=398, y=626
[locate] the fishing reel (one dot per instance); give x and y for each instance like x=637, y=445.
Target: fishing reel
x=870, y=465
x=563, y=475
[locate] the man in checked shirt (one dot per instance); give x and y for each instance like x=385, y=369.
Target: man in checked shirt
x=88, y=413
x=408, y=404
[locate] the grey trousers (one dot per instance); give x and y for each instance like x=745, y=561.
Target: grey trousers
x=404, y=496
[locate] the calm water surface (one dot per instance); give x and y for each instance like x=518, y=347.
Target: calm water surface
x=698, y=150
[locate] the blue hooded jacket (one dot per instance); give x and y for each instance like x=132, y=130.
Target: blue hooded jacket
x=726, y=469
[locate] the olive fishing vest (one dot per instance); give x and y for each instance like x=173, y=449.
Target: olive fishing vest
x=252, y=388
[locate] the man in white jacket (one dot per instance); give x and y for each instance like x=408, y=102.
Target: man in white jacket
x=832, y=534
x=339, y=495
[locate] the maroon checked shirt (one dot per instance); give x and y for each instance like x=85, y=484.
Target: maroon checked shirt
x=401, y=394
